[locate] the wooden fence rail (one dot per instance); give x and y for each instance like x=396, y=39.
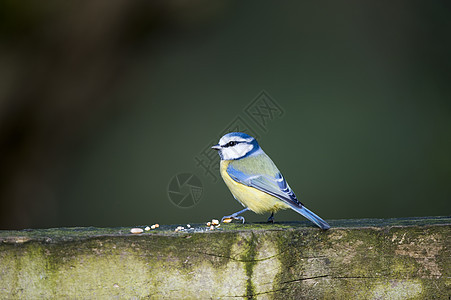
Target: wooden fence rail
x=356, y=259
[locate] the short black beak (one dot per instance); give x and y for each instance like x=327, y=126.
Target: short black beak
x=216, y=147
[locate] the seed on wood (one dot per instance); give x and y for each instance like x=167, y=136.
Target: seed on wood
x=136, y=230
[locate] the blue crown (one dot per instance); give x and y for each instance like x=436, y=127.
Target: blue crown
x=239, y=134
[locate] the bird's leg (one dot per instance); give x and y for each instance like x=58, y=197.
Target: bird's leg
x=271, y=218
x=235, y=216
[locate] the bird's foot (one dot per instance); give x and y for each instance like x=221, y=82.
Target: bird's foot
x=271, y=218
x=228, y=219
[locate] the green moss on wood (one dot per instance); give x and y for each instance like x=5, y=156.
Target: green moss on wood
x=366, y=259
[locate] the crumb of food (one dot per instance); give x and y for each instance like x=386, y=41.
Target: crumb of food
x=188, y=225
x=179, y=228
x=213, y=224
x=157, y=225
x=153, y=227
x=227, y=220
x=136, y=230
x=147, y=228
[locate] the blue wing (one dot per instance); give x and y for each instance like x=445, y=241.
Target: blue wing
x=278, y=187
x=275, y=186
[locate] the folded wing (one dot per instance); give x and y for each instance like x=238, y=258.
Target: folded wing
x=278, y=187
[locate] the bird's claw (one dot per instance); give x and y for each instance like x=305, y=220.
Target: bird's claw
x=228, y=219
x=271, y=218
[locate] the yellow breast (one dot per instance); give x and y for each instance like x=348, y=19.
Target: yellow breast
x=256, y=200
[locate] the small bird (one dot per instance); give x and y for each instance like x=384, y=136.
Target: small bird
x=254, y=180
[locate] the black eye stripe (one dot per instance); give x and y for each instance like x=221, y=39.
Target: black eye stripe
x=231, y=144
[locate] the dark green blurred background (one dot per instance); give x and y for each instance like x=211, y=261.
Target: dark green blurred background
x=103, y=102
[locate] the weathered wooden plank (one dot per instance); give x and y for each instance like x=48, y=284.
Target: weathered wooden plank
x=356, y=259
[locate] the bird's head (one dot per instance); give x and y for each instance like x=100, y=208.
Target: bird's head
x=236, y=145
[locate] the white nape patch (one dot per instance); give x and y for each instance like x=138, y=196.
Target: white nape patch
x=237, y=151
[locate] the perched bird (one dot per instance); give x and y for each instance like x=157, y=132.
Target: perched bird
x=255, y=181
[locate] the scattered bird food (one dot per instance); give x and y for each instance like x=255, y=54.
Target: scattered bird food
x=136, y=230
x=179, y=228
x=214, y=224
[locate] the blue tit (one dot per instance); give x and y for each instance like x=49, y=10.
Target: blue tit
x=255, y=181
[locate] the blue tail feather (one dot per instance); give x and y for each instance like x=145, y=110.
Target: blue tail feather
x=312, y=217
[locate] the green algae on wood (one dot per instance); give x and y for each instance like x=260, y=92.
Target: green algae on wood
x=357, y=259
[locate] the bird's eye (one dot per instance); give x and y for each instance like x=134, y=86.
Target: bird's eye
x=232, y=143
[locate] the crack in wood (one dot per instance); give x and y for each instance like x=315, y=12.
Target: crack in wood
x=256, y=294
x=305, y=278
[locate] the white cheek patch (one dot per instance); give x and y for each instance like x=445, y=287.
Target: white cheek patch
x=237, y=151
